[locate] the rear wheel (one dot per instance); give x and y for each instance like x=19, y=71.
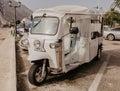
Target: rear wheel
x=37, y=74
x=111, y=37
x=99, y=53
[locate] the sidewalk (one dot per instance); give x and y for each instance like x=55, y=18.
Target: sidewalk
x=7, y=65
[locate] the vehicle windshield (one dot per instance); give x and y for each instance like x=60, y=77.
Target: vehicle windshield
x=45, y=25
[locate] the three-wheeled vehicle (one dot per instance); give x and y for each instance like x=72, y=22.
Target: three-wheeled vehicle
x=61, y=39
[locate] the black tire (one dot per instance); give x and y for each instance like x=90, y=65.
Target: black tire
x=34, y=75
x=99, y=53
x=111, y=37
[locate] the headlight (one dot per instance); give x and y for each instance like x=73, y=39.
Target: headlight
x=37, y=44
x=25, y=42
x=54, y=45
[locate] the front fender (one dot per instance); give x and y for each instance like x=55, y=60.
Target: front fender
x=37, y=57
x=41, y=62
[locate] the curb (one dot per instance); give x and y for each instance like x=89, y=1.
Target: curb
x=8, y=65
x=13, y=67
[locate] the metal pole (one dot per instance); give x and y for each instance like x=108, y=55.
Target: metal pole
x=15, y=16
x=15, y=22
x=102, y=24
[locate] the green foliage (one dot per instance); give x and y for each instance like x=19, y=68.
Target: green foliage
x=117, y=3
x=112, y=17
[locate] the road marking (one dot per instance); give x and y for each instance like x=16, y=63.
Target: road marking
x=99, y=75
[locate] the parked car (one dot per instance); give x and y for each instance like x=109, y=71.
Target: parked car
x=23, y=43
x=21, y=30
x=111, y=33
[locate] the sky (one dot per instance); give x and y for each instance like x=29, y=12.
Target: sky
x=37, y=4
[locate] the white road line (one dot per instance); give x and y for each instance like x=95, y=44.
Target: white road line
x=99, y=75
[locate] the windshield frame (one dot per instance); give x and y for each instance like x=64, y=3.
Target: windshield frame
x=44, y=33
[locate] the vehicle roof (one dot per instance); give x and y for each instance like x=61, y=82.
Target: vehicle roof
x=67, y=9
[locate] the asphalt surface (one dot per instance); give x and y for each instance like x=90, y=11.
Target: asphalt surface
x=111, y=78
x=103, y=75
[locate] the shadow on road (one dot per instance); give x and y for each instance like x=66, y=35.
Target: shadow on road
x=22, y=84
x=80, y=72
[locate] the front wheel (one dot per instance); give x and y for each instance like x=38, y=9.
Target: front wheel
x=111, y=37
x=37, y=74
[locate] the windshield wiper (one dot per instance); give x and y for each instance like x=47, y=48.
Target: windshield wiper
x=40, y=20
x=37, y=23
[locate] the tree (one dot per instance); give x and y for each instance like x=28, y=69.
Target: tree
x=111, y=17
x=116, y=4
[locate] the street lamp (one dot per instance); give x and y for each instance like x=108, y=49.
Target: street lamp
x=15, y=17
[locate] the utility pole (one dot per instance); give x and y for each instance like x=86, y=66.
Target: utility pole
x=15, y=16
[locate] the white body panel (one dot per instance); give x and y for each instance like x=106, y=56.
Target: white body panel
x=74, y=49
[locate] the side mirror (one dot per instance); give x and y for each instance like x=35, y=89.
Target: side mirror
x=74, y=30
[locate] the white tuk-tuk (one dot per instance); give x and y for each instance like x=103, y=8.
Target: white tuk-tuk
x=61, y=39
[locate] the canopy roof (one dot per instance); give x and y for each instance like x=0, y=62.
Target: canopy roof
x=65, y=9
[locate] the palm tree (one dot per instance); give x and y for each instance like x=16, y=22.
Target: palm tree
x=115, y=4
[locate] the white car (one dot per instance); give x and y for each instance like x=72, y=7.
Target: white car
x=23, y=43
x=111, y=33
x=21, y=30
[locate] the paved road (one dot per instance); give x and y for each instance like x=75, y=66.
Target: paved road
x=94, y=76
x=111, y=78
